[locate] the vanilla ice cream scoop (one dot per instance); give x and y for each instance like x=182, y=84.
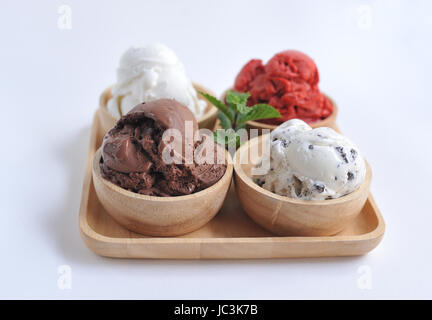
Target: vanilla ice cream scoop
x=150, y=73
x=311, y=164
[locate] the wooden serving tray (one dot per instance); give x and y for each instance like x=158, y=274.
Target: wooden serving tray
x=230, y=235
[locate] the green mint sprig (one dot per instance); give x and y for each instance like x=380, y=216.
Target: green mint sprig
x=235, y=113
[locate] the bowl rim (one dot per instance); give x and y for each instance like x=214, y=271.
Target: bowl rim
x=226, y=178
x=238, y=170
x=212, y=112
x=330, y=119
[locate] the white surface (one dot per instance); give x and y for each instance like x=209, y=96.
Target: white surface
x=50, y=82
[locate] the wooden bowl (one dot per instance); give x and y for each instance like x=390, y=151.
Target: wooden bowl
x=161, y=216
x=287, y=216
x=330, y=121
x=108, y=121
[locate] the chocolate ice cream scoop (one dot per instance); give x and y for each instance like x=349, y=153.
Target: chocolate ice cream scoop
x=133, y=151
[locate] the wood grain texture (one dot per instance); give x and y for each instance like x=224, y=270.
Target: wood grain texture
x=231, y=234
x=108, y=121
x=291, y=217
x=161, y=216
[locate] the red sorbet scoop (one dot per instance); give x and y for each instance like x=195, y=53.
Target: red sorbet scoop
x=288, y=82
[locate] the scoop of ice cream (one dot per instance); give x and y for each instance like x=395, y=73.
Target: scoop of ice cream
x=311, y=164
x=288, y=82
x=133, y=151
x=150, y=73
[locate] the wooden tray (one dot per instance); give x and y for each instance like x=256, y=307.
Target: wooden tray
x=230, y=235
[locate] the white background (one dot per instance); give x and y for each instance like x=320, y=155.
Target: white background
x=376, y=67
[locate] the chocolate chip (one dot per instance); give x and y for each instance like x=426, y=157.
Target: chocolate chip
x=285, y=143
x=306, y=193
x=329, y=198
x=259, y=182
x=353, y=154
x=335, y=178
x=311, y=147
x=298, y=185
x=350, y=176
x=319, y=187
x=342, y=153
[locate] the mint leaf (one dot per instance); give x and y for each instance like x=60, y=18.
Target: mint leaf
x=233, y=139
x=237, y=101
x=234, y=114
x=238, y=141
x=224, y=120
x=260, y=111
x=241, y=126
x=218, y=104
x=226, y=139
x=219, y=138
